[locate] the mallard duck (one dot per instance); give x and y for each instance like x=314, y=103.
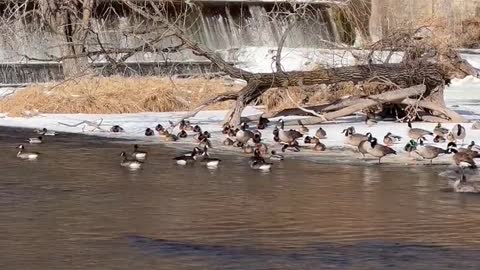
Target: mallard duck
x=379, y=150
x=458, y=133
x=295, y=146
x=303, y=129
x=228, y=142
x=45, y=132
x=258, y=163
x=428, y=151
x=182, y=134
x=354, y=139
x=159, y=128
x=185, y=125
x=417, y=133
x=262, y=123
x=288, y=136
x=149, y=132
x=243, y=135
x=197, y=129
x=138, y=154
x=23, y=154
x=319, y=147
x=320, y=133
x=389, y=139
x=168, y=137
x=307, y=140
x=462, y=186
x=439, y=139
x=275, y=156
x=439, y=130
x=37, y=140
x=129, y=163
x=116, y=129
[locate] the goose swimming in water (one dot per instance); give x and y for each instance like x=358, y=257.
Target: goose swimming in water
x=209, y=161
x=188, y=157
x=129, y=163
x=37, y=140
x=23, y=154
x=258, y=163
x=138, y=154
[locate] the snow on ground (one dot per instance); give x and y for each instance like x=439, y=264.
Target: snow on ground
x=462, y=96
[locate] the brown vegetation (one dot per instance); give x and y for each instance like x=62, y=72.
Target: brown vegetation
x=117, y=95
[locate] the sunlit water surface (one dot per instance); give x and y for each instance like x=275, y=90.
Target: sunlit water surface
x=76, y=208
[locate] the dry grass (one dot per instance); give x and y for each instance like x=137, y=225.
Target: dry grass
x=116, y=95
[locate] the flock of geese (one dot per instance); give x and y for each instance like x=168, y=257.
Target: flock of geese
x=250, y=141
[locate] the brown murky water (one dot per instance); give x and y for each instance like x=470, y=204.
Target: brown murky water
x=75, y=208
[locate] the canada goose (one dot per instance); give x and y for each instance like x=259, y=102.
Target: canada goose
x=319, y=147
x=294, y=145
x=275, y=156
x=129, y=163
x=207, y=160
x=36, y=140
x=312, y=140
x=45, y=132
x=462, y=186
x=417, y=133
x=182, y=134
x=459, y=132
x=303, y=129
x=288, y=136
x=428, y=151
x=185, y=125
x=476, y=125
x=379, y=150
x=262, y=123
x=149, y=132
x=469, y=150
x=228, y=142
x=439, y=139
x=389, y=139
x=205, y=142
x=243, y=135
x=137, y=154
x=370, y=121
x=354, y=139
x=116, y=129
x=22, y=154
x=320, y=133
x=439, y=130
x=258, y=163
x=188, y=157
x=461, y=159
x=195, y=152
x=365, y=145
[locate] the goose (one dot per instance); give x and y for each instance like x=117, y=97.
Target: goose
x=116, y=129
x=439, y=130
x=303, y=129
x=294, y=145
x=262, y=123
x=319, y=147
x=129, y=163
x=45, y=132
x=207, y=160
x=389, y=139
x=321, y=133
x=439, y=139
x=354, y=139
x=228, y=142
x=36, y=140
x=137, y=154
x=22, y=154
x=258, y=163
x=476, y=125
x=243, y=135
x=149, y=132
x=195, y=152
x=461, y=159
x=275, y=156
x=417, y=133
x=182, y=134
x=205, y=142
x=472, y=153
x=288, y=136
x=185, y=125
x=161, y=130
x=428, y=151
x=462, y=186
x=379, y=150
x=187, y=157
x=365, y=146
x=459, y=133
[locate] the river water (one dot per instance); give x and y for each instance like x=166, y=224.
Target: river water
x=76, y=208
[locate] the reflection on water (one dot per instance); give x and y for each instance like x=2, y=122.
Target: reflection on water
x=76, y=208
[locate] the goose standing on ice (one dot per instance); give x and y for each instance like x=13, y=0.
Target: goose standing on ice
x=354, y=139
x=417, y=133
x=321, y=133
x=379, y=151
x=288, y=136
x=389, y=139
x=458, y=133
x=243, y=135
x=428, y=151
x=23, y=154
